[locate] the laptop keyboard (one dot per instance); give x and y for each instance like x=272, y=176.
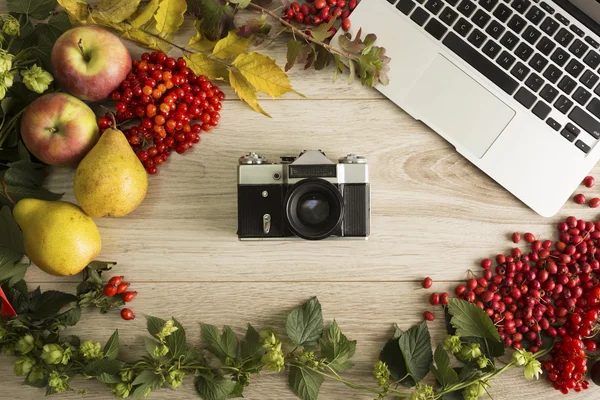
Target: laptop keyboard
x=528, y=50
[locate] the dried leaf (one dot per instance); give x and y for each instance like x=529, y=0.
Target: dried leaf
x=116, y=10
x=263, y=73
x=169, y=16
x=353, y=46
x=294, y=49
x=255, y=26
x=217, y=19
x=230, y=46
x=145, y=14
x=199, y=41
x=201, y=64
x=245, y=91
x=78, y=10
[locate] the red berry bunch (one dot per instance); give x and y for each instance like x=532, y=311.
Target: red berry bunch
x=568, y=366
x=161, y=97
x=317, y=12
x=115, y=287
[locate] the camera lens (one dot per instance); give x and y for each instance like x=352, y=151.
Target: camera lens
x=314, y=209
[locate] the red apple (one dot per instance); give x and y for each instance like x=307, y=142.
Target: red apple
x=90, y=62
x=59, y=129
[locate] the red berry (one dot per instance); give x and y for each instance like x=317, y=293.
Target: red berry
x=122, y=287
x=428, y=315
x=589, y=181
x=346, y=24
x=427, y=282
x=110, y=290
x=516, y=237
x=127, y=314
x=444, y=298
x=579, y=198
x=115, y=280
x=529, y=237
x=434, y=299
x=594, y=203
x=128, y=296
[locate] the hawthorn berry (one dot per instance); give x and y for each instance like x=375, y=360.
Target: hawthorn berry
x=427, y=282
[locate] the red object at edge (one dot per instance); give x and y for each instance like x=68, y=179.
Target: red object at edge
x=5, y=307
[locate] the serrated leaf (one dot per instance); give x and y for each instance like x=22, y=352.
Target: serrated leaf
x=337, y=349
x=144, y=377
x=78, y=10
x=217, y=19
x=108, y=378
x=263, y=74
x=217, y=388
x=169, y=16
x=56, y=25
x=201, y=64
x=241, y=3
x=321, y=32
x=104, y=366
x=176, y=342
x=323, y=58
x=257, y=27
x=199, y=41
x=230, y=46
x=144, y=14
x=148, y=40
x=470, y=320
x=304, y=324
x=304, y=383
x=111, y=348
x=38, y=9
x=150, y=345
x=221, y=346
x=50, y=302
x=154, y=325
x=443, y=372
x=415, y=345
x=294, y=49
x=392, y=356
x=70, y=317
x=245, y=91
x=251, y=347
x=117, y=10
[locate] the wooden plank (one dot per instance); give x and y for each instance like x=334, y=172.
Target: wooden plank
x=364, y=311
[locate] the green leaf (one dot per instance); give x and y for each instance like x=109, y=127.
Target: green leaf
x=176, y=342
x=443, y=372
x=38, y=9
x=304, y=324
x=217, y=388
x=321, y=32
x=336, y=347
x=108, y=378
x=144, y=377
x=221, y=346
x=51, y=302
x=24, y=179
x=217, y=19
x=104, y=366
x=323, y=58
x=392, y=356
x=150, y=382
x=252, y=346
x=101, y=266
x=111, y=348
x=150, y=345
x=241, y=3
x=305, y=383
x=56, y=25
x=470, y=320
x=9, y=264
x=294, y=49
x=154, y=325
x=70, y=317
x=415, y=345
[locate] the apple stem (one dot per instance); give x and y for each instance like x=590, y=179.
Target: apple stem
x=80, y=45
x=5, y=188
x=52, y=129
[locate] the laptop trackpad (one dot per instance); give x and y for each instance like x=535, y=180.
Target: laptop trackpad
x=457, y=107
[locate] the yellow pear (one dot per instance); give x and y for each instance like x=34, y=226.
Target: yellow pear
x=58, y=236
x=110, y=181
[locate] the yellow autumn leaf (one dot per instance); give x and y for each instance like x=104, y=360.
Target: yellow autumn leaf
x=263, y=73
x=148, y=40
x=201, y=64
x=116, y=10
x=169, y=16
x=230, y=46
x=245, y=91
x=77, y=10
x=199, y=41
x=144, y=14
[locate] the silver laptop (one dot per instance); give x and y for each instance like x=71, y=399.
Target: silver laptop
x=513, y=85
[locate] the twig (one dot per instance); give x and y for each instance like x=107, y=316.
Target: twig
x=299, y=32
x=5, y=188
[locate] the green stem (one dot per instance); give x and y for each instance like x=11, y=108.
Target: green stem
x=12, y=122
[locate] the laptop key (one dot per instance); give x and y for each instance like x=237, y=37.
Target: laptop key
x=495, y=29
x=594, y=107
x=589, y=79
x=419, y=16
x=567, y=84
x=502, y=12
x=552, y=73
x=434, y=6
x=506, y=60
x=578, y=48
x=521, y=5
x=405, y=6
x=435, y=28
x=448, y=16
x=545, y=46
x=582, y=146
x=520, y=71
x=523, y=51
x=453, y=2
x=574, y=68
x=481, y=18
x=476, y=38
x=538, y=62
x=509, y=40
x=480, y=63
x=563, y=104
x=491, y=49
x=573, y=129
x=568, y=135
x=564, y=37
x=525, y=97
x=541, y=110
x=560, y=57
x=549, y=26
x=592, y=42
x=488, y=4
x=577, y=31
x=535, y=15
x=531, y=35
x=534, y=82
x=463, y=27
x=466, y=8
x=552, y=123
x=546, y=7
x=517, y=23
x=592, y=59
x=561, y=18
x=549, y=93
x=581, y=96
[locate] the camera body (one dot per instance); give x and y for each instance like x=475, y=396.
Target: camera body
x=308, y=197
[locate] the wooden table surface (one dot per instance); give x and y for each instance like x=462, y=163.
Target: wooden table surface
x=433, y=214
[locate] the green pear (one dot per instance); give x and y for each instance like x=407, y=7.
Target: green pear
x=110, y=181
x=58, y=236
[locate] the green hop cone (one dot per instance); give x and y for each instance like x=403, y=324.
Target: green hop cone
x=11, y=26
x=67, y=354
x=52, y=353
x=175, y=378
x=473, y=392
x=37, y=80
x=274, y=359
x=36, y=375
x=453, y=344
x=483, y=362
x=533, y=369
x=269, y=338
x=91, y=350
x=127, y=375
x=23, y=365
x=309, y=359
x=522, y=357
x=423, y=392
x=58, y=382
x=381, y=372
x=25, y=344
x=470, y=351
x=161, y=350
x=122, y=390
x=167, y=330
x=6, y=60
